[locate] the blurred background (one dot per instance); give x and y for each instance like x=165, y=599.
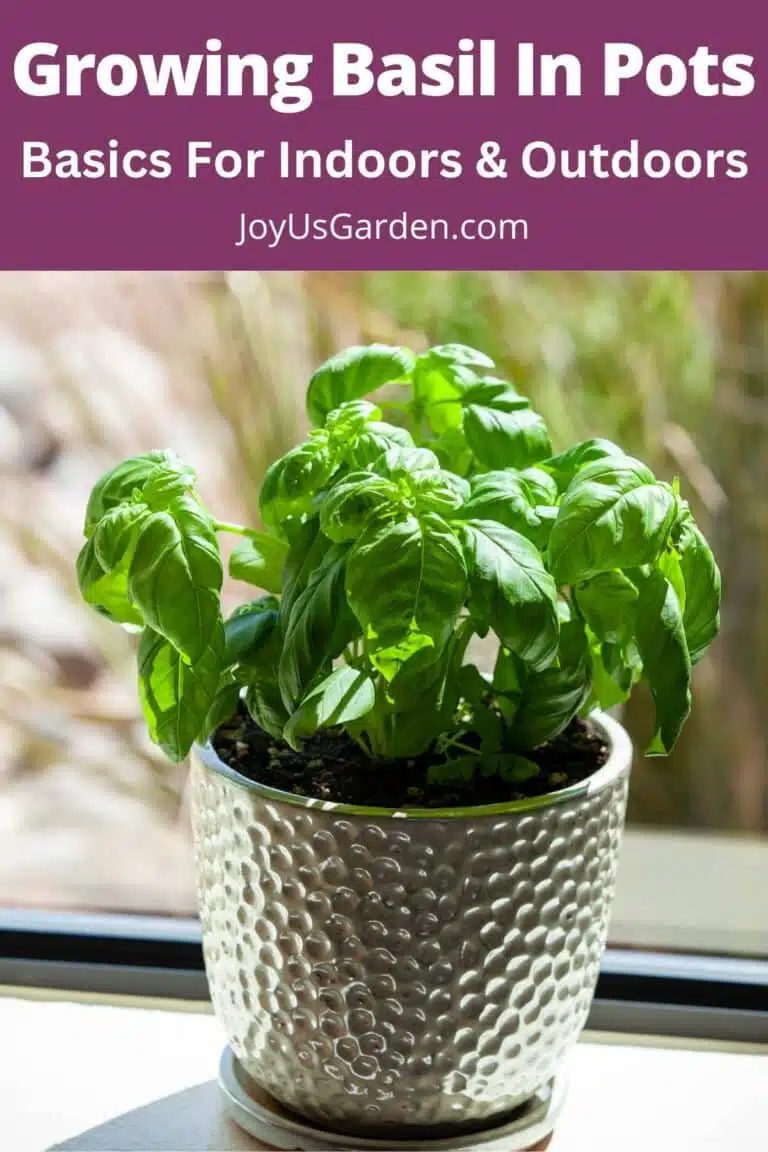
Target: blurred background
x=97, y=366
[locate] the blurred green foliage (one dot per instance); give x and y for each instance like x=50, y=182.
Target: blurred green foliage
x=608, y=354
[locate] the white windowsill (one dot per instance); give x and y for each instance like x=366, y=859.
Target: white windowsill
x=68, y=1068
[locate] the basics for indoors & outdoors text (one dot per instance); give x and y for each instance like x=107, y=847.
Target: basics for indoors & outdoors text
x=538, y=160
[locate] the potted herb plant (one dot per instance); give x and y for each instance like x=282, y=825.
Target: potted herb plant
x=406, y=865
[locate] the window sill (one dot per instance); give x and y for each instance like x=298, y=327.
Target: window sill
x=142, y=1078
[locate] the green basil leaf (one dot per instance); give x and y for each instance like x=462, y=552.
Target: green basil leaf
x=248, y=629
x=670, y=567
x=417, y=673
x=440, y=378
x=439, y=491
x=541, y=485
x=359, y=438
x=306, y=550
x=259, y=559
x=615, y=514
x=425, y=690
x=406, y=580
x=512, y=768
x=438, y=398
x=104, y=561
x=607, y=602
x=263, y=698
x=353, y=374
x=489, y=726
x=547, y=516
x=701, y=578
x=166, y=484
x=350, y=419
x=449, y=357
x=614, y=671
x=458, y=770
x=474, y=687
x=161, y=472
x=453, y=452
x=509, y=674
x=292, y=483
x=175, y=576
x=500, y=438
x=666, y=661
x=564, y=467
x=511, y=589
x=176, y=696
x=549, y=700
x=315, y=620
x=399, y=462
x=224, y=703
x=390, y=658
x=623, y=663
x=491, y=392
x=423, y=694
x=114, y=537
x=505, y=497
x=408, y=734
x=345, y=695
x=349, y=503
x=438, y=386
x=107, y=592
x=375, y=440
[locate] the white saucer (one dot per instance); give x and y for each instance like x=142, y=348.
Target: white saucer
x=265, y=1120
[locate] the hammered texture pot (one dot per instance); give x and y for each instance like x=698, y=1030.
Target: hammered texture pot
x=414, y=970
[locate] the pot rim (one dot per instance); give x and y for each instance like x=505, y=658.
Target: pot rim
x=616, y=766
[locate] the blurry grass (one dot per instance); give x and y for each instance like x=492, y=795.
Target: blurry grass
x=614, y=354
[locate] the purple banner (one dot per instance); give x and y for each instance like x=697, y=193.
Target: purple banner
x=402, y=135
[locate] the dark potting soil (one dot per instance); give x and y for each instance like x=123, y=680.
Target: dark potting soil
x=331, y=766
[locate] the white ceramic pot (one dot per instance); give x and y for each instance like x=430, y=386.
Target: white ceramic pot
x=386, y=970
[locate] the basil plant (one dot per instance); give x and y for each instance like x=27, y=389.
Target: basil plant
x=386, y=547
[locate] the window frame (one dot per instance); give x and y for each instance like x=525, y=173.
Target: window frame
x=639, y=991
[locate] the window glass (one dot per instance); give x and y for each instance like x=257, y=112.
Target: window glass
x=94, y=367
